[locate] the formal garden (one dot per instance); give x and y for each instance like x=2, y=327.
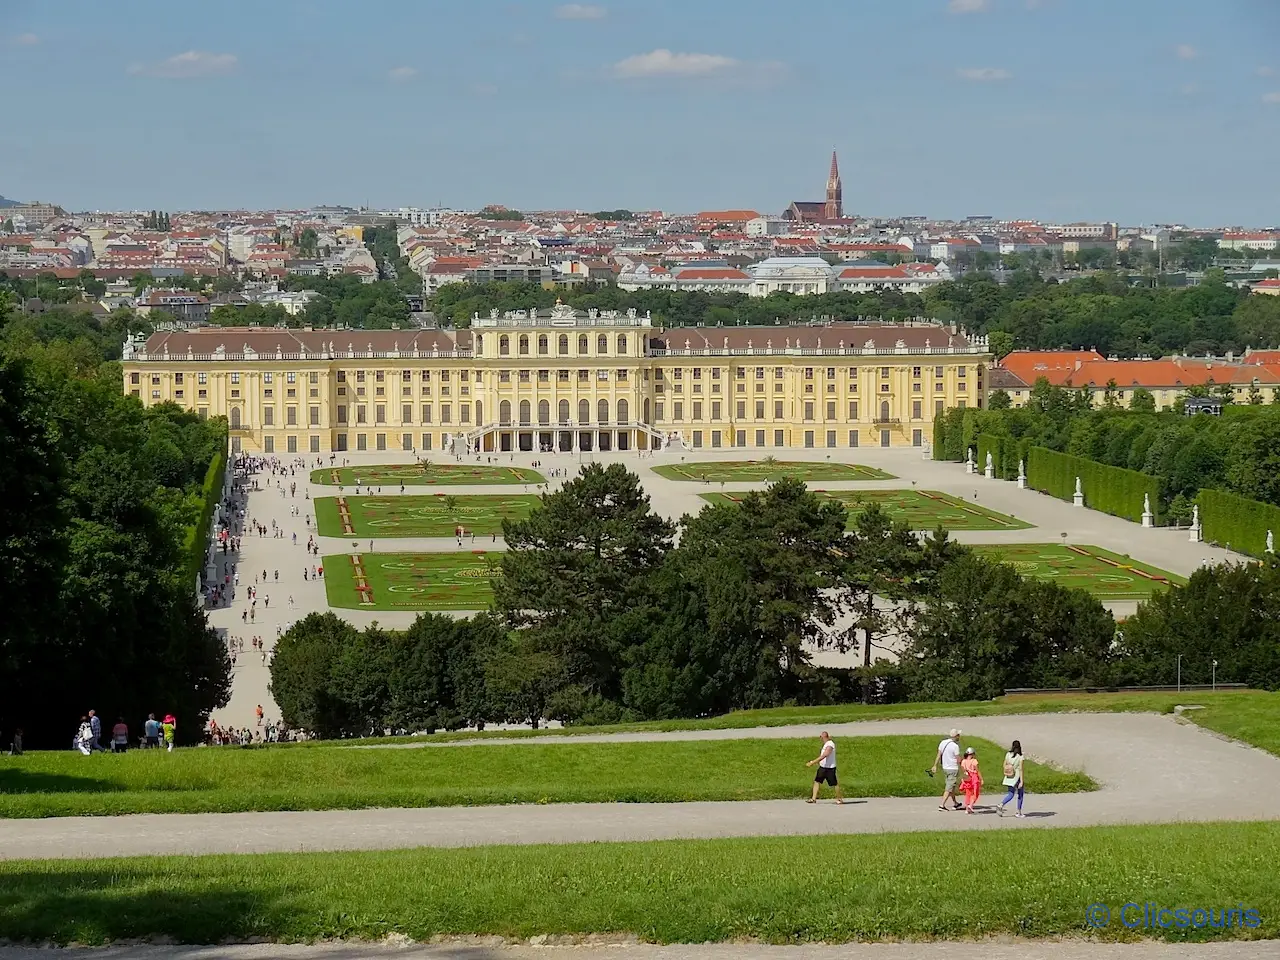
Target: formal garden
x=410, y=581
x=1098, y=572
x=766, y=470
x=425, y=473
x=441, y=515
x=918, y=509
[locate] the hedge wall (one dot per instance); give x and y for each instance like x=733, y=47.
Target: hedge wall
x=940, y=438
x=994, y=445
x=197, y=545
x=1243, y=523
x=1111, y=490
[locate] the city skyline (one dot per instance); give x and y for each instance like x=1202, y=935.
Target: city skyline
x=1050, y=109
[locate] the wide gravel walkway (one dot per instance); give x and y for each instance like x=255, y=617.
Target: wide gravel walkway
x=1152, y=769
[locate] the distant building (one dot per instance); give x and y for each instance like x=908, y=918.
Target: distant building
x=1209, y=405
x=814, y=211
x=183, y=304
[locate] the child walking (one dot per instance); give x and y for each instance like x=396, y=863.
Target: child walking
x=971, y=780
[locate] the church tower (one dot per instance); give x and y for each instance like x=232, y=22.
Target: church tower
x=833, y=209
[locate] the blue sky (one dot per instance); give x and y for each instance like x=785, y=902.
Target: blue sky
x=1134, y=110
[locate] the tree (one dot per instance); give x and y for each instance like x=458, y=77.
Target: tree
x=775, y=556
x=1109, y=400
x=880, y=558
x=302, y=667
x=999, y=400
x=1142, y=400
x=1227, y=613
x=1001, y=343
x=571, y=569
x=983, y=629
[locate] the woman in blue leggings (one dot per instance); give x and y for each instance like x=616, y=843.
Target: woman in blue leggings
x=1013, y=778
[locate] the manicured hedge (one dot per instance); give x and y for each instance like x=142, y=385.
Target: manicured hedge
x=994, y=445
x=197, y=545
x=940, y=438
x=1243, y=523
x=1111, y=490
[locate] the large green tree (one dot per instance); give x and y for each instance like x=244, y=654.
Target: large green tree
x=582, y=559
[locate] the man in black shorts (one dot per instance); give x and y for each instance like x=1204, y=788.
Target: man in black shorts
x=826, y=763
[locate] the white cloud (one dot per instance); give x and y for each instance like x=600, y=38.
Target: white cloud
x=969, y=6
x=26, y=39
x=193, y=63
x=1272, y=97
x=664, y=63
x=983, y=74
x=400, y=74
x=1265, y=71
x=1186, y=51
x=580, y=11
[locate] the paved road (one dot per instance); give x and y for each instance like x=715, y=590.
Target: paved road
x=1151, y=769
x=629, y=950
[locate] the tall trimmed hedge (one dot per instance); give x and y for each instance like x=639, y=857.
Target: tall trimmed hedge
x=1243, y=523
x=197, y=546
x=1112, y=490
x=940, y=438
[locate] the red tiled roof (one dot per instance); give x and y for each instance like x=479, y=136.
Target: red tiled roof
x=700, y=273
x=1056, y=365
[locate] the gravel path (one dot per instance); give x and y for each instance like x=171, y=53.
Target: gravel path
x=479, y=950
x=1151, y=769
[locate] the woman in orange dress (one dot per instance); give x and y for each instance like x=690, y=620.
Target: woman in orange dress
x=971, y=779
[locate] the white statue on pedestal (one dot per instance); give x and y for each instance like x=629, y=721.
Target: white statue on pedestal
x=990, y=471
x=969, y=465
x=1195, y=524
x=1078, y=497
x=1271, y=542
x=1148, y=518
x=1022, y=474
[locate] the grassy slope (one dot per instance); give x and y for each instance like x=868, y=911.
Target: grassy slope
x=910, y=506
x=776, y=889
x=1249, y=715
x=228, y=779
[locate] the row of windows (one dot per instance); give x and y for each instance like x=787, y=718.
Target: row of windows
x=562, y=345
x=677, y=410
x=677, y=373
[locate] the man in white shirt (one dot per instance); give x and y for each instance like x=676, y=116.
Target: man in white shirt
x=826, y=761
x=949, y=758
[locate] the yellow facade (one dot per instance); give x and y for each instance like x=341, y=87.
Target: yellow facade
x=564, y=382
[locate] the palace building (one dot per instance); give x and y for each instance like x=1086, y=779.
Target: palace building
x=564, y=380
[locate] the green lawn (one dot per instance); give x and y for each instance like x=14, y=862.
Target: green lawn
x=223, y=780
x=413, y=475
x=786, y=890
x=410, y=516
x=1106, y=575
x=720, y=471
x=920, y=509
x=1252, y=716
x=409, y=581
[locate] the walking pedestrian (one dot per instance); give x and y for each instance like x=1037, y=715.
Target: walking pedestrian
x=169, y=727
x=95, y=725
x=151, y=731
x=949, y=758
x=1013, y=778
x=971, y=781
x=84, y=736
x=826, y=763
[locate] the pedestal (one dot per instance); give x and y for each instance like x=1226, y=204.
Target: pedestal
x=1148, y=521
x=1078, y=500
x=969, y=467
x=1195, y=533
x=1022, y=483
x=989, y=473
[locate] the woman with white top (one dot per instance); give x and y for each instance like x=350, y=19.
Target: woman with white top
x=1013, y=778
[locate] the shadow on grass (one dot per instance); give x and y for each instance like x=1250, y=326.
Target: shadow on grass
x=14, y=779
x=98, y=905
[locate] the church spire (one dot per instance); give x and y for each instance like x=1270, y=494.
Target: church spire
x=833, y=209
